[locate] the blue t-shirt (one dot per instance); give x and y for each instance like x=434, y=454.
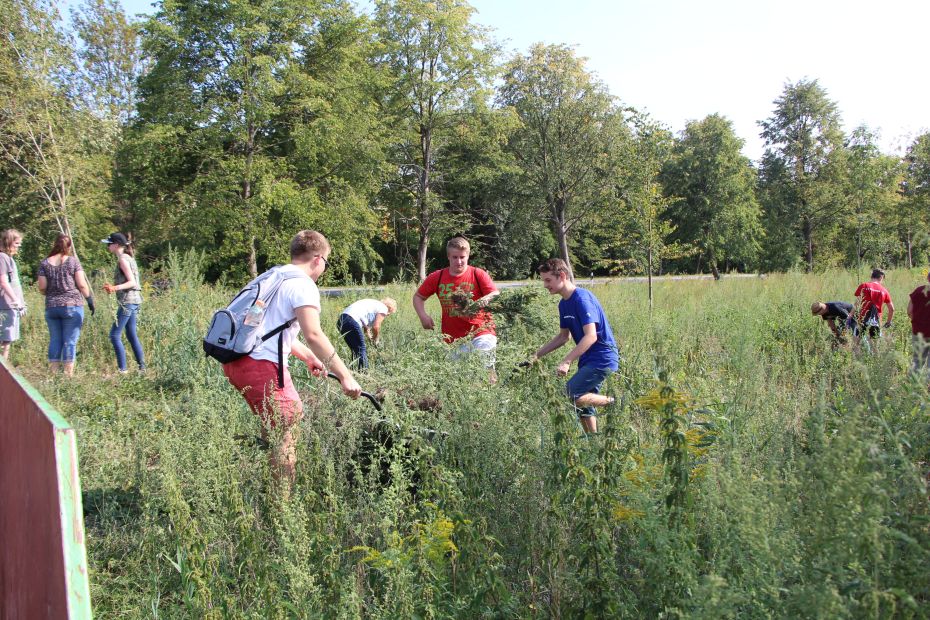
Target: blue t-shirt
x=576, y=312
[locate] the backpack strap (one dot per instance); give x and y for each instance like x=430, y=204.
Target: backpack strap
x=279, y=330
x=281, y=359
x=474, y=276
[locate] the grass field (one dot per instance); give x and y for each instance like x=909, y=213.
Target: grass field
x=749, y=470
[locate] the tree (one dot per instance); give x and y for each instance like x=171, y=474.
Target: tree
x=647, y=234
x=482, y=188
x=441, y=65
x=572, y=131
x=110, y=56
x=47, y=137
x=242, y=134
x=872, y=183
x=717, y=211
x=915, y=189
x=799, y=172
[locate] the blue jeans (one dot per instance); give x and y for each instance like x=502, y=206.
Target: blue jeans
x=126, y=319
x=587, y=380
x=64, y=328
x=354, y=336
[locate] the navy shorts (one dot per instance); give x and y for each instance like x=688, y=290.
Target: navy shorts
x=588, y=379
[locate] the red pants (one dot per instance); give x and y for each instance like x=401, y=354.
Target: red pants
x=257, y=381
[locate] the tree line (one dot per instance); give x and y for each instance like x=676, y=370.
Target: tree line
x=226, y=126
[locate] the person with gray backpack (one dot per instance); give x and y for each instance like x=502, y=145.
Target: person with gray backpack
x=256, y=333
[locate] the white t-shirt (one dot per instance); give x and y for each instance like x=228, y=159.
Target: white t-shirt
x=365, y=311
x=293, y=294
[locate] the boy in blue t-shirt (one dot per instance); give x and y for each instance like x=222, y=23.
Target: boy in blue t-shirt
x=581, y=317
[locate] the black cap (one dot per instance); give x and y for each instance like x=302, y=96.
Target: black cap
x=116, y=237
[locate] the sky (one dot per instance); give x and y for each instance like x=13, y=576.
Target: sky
x=682, y=60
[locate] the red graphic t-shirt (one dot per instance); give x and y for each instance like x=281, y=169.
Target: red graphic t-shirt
x=455, y=325
x=920, y=322
x=873, y=294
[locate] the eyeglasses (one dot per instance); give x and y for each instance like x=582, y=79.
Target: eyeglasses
x=325, y=262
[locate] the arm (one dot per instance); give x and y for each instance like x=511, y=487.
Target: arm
x=560, y=339
x=589, y=338
x=910, y=309
x=322, y=348
x=42, y=283
x=484, y=300
x=487, y=284
x=80, y=281
x=6, y=289
x=8, y=292
x=305, y=355
x=374, y=330
x=890, y=311
x=127, y=273
x=419, y=304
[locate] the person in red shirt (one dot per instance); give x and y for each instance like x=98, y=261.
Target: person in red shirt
x=918, y=309
x=872, y=295
x=451, y=285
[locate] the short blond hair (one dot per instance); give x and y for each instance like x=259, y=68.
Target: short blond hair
x=308, y=243
x=390, y=303
x=458, y=243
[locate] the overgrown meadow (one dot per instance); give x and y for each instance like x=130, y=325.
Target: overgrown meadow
x=749, y=469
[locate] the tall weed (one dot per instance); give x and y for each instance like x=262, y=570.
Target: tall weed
x=770, y=474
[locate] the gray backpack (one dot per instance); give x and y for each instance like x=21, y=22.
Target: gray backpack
x=230, y=338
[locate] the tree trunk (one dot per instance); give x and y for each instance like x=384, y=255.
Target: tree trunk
x=649, y=276
x=561, y=236
x=858, y=257
x=64, y=226
x=560, y=230
x=712, y=263
x=909, y=245
x=253, y=257
x=247, y=196
x=423, y=208
x=421, y=254
x=809, y=239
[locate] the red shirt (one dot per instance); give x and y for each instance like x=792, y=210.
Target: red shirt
x=872, y=294
x=454, y=324
x=920, y=301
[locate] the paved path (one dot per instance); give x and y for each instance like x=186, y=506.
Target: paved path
x=339, y=291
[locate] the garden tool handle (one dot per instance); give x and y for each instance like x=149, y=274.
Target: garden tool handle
x=372, y=399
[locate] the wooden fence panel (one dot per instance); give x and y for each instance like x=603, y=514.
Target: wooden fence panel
x=43, y=560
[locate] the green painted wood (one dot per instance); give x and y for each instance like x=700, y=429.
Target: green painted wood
x=72, y=525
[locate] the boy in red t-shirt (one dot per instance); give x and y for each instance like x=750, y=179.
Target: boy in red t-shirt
x=918, y=309
x=872, y=296
x=477, y=285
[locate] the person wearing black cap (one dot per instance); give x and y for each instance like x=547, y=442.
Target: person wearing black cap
x=836, y=314
x=128, y=291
